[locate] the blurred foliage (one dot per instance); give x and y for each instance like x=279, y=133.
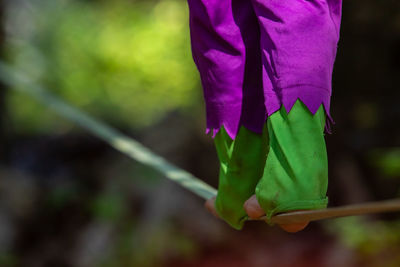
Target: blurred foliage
x=128, y=62
x=8, y=260
x=151, y=248
x=387, y=160
x=108, y=207
x=377, y=241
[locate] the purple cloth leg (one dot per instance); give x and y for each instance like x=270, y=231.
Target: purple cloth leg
x=256, y=55
x=299, y=40
x=225, y=39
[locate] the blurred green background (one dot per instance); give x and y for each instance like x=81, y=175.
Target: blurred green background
x=67, y=199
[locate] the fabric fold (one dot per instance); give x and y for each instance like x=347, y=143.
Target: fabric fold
x=256, y=56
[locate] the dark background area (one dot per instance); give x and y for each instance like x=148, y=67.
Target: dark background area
x=68, y=199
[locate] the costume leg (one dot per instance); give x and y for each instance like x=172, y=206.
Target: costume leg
x=296, y=171
x=225, y=39
x=298, y=42
x=242, y=164
x=298, y=46
x=226, y=49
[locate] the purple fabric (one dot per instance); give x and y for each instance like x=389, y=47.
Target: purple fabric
x=256, y=55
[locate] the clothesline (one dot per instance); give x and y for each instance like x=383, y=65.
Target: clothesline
x=142, y=154
x=113, y=137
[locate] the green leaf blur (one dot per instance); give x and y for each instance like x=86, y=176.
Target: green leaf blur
x=129, y=63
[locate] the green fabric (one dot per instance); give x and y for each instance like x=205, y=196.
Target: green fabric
x=286, y=166
x=242, y=164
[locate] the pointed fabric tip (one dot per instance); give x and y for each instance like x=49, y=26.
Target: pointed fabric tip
x=234, y=117
x=288, y=104
x=231, y=132
x=311, y=105
x=312, y=98
x=215, y=131
x=314, y=106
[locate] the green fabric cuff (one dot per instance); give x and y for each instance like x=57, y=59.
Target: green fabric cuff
x=286, y=166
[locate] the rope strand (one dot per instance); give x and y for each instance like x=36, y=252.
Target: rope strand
x=113, y=137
